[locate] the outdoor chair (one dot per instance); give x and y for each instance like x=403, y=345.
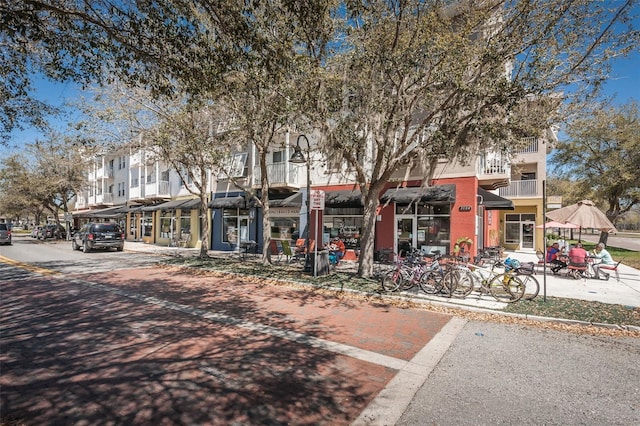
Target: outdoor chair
x=185, y=239
x=576, y=267
x=286, y=251
x=613, y=268
x=540, y=255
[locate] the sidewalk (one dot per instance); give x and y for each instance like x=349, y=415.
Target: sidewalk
x=625, y=292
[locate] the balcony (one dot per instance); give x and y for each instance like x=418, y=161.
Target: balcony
x=81, y=202
x=159, y=189
x=278, y=178
x=494, y=171
x=136, y=159
x=520, y=189
x=136, y=192
x=107, y=198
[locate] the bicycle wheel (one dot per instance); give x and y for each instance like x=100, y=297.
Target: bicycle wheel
x=466, y=282
x=392, y=280
x=506, y=288
x=431, y=282
x=531, y=286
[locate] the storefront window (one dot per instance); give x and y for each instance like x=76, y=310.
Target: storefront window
x=165, y=225
x=147, y=226
x=283, y=228
x=235, y=226
x=185, y=224
x=345, y=224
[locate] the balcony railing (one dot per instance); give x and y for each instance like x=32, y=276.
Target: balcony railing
x=531, y=148
x=494, y=164
x=81, y=202
x=136, y=192
x=277, y=173
x=107, y=198
x=520, y=188
x=157, y=189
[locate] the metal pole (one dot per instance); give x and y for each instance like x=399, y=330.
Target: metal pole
x=544, y=238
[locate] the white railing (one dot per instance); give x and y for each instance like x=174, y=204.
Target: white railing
x=81, y=202
x=136, y=192
x=494, y=164
x=520, y=188
x=159, y=189
x=107, y=198
x=277, y=173
x=531, y=148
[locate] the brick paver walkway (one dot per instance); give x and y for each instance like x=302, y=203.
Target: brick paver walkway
x=151, y=346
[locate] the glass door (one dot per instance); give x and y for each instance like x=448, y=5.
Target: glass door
x=405, y=235
x=527, y=234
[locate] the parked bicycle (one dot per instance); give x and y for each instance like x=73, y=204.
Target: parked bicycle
x=413, y=270
x=463, y=278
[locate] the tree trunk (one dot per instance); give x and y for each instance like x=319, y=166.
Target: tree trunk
x=367, y=240
x=204, y=226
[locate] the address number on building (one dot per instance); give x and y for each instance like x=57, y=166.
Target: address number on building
x=317, y=199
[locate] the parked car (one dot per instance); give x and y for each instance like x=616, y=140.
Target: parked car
x=52, y=231
x=98, y=235
x=5, y=234
x=35, y=231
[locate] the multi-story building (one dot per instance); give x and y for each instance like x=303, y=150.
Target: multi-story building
x=494, y=200
x=148, y=198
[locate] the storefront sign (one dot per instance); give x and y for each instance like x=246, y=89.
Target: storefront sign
x=284, y=212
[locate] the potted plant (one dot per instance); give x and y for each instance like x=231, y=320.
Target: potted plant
x=462, y=245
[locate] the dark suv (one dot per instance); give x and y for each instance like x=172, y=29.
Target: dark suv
x=98, y=235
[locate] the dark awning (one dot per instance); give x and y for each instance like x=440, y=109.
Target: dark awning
x=491, y=201
x=107, y=213
x=192, y=203
x=343, y=198
x=294, y=200
x=237, y=202
x=439, y=194
x=170, y=205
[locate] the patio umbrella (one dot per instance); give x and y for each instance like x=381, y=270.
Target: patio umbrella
x=554, y=224
x=584, y=214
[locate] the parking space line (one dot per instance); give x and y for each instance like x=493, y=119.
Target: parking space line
x=28, y=266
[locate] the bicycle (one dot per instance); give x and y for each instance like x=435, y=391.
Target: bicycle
x=524, y=271
x=414, y=271
x=463, y=278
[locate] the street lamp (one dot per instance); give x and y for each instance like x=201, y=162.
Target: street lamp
x=298, y=157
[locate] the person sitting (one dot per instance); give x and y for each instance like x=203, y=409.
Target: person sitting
x=603, y=258
x=578, y=254
x=337, y=248
x=553, y=258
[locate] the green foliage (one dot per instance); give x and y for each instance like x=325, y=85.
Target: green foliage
x=602, y=156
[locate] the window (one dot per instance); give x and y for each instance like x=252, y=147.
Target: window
x=278, y=157
x=122, y=162
x=164, y=176
x=134, y=182
x=344, y=223
x=147, y=226
x=234, y=225
x=166, y=224
x=236, y=166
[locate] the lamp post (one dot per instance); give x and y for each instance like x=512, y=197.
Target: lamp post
x=298, y=157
